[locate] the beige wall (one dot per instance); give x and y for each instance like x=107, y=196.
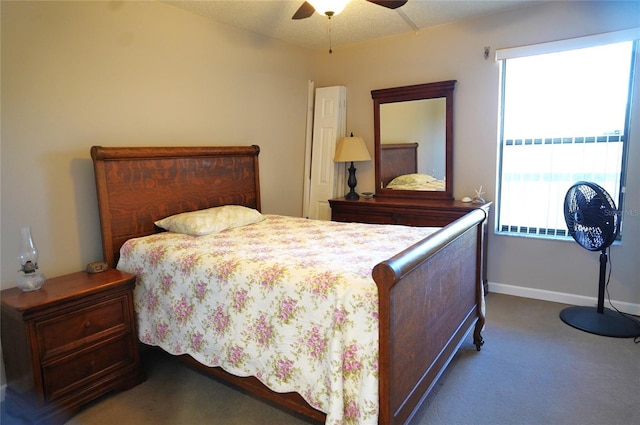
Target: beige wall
x=77, y=74
x=529, y=267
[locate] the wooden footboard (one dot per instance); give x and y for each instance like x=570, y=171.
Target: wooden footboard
x=430, y=297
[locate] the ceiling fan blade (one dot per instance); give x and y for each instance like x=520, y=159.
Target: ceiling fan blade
x=304, y=11
x=389, y=4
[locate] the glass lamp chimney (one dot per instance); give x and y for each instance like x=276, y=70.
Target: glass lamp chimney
x=28, y=279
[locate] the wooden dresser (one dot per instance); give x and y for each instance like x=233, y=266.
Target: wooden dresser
x=410, y=212
x=68, y=343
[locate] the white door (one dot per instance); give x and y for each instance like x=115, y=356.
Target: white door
x=329, y=124
x=307, y=150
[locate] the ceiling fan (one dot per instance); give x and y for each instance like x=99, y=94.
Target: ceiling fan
x=333, y=7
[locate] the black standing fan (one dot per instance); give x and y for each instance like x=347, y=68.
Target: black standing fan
x=593, y=221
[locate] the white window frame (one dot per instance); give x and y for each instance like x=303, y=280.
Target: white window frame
x=503, y=54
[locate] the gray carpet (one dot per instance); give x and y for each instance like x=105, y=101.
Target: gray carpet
x=533, y=369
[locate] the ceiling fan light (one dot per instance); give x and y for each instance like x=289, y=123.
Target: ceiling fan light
x=329, y=7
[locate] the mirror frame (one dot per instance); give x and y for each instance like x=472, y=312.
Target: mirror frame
x=407, y=93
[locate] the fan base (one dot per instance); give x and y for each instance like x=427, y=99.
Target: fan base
x=608, y=323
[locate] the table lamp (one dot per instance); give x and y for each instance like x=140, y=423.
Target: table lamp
x=351, y=149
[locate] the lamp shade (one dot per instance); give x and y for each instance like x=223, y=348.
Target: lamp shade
x=351, y=148
x=329, y=7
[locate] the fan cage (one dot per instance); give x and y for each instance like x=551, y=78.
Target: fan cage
x=591, y=216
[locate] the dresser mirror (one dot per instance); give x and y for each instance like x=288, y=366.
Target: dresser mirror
x=413, y=128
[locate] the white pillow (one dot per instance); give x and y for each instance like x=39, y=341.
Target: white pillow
x=211, y=220
x=412, y=179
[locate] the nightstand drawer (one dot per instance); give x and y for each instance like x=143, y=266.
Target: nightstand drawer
x=72, y=372
x=81, y=326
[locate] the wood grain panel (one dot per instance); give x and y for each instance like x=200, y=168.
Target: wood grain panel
x=147, y=184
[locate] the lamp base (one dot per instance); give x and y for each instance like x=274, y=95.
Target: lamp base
x=352, y=196
x=352, y=183
x=30, y=281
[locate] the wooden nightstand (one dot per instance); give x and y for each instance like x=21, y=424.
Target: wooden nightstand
x=69, y=343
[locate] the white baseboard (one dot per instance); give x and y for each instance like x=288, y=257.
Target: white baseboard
x=561, y=297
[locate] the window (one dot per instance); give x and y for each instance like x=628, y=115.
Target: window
x=564, y=118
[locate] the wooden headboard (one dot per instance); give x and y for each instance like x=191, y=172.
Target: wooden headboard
x=137, y=186
x=397, y=159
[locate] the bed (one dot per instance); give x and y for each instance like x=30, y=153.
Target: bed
x=399, y=169
x=429, y=294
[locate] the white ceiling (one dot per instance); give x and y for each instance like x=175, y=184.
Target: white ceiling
x=359, y=21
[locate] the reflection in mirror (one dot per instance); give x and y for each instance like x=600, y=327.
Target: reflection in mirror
x=417, y=130
x=414, y=140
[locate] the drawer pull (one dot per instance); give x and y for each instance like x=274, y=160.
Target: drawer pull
x=92, y=363
x=87, y=324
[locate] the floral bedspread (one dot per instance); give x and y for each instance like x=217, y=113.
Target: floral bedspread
x=288, y=300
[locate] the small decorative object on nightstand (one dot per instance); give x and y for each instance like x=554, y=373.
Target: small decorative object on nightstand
x=352, y=149
x=28, y=278
x=68, y=344
x=478, y=199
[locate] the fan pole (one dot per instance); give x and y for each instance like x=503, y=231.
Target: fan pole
x=601, y=285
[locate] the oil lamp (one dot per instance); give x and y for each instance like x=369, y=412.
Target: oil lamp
x=28, y=278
